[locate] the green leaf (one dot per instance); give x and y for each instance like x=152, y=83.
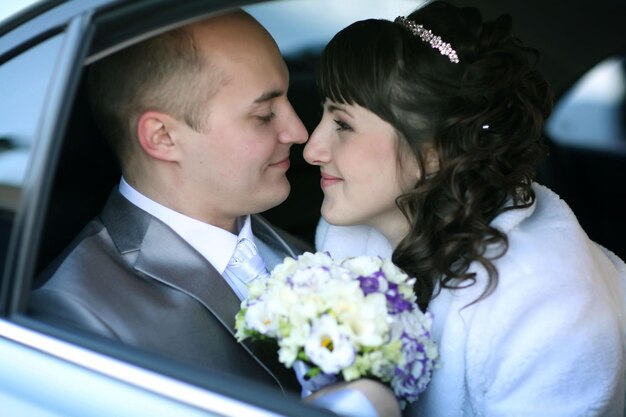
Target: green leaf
x=313, y=372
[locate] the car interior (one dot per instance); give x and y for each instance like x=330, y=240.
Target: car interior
x=589, y=180
x=586, y=172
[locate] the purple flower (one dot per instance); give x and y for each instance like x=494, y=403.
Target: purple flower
x=369, y=284
x=408, y=382
x=413, y=377
x=396, y=301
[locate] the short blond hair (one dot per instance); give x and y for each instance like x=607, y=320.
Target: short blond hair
x=166, y=73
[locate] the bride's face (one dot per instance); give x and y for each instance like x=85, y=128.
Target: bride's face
x=361, y=176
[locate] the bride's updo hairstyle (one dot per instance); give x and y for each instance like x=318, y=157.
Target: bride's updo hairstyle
x=483, y=114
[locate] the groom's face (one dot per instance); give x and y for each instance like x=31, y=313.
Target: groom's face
x=237, y=163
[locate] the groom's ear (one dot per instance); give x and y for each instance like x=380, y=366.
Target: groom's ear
x=155, y=135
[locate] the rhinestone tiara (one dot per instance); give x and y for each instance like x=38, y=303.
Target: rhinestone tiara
x=427, y=36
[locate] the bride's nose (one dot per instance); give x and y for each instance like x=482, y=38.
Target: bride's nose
x=317, y=151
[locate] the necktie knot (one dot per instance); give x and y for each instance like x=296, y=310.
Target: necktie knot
x=246, y=263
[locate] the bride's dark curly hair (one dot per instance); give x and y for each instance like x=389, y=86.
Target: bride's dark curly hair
x=484, y=116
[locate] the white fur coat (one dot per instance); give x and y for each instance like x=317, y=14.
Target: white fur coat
x=548, y=342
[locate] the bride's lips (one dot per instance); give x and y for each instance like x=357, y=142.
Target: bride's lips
x=328, y=180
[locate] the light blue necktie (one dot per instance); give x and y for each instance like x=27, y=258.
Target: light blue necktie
x=246, y=265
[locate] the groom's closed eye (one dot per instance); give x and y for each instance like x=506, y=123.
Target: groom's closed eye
x=266, y=118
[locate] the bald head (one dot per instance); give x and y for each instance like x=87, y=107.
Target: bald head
x=176, y=73
x=234, y=29
x=234, y=38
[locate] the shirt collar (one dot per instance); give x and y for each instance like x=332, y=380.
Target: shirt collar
x=215, y=244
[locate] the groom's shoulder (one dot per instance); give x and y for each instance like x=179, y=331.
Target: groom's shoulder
x=91, y=250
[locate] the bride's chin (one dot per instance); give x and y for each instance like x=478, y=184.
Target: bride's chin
x=328, y=217
x=337, y=220
x=336, y=215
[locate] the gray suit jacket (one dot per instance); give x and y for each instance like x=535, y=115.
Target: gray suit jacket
x=131, y=278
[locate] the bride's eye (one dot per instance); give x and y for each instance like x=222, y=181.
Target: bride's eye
x=342, y=125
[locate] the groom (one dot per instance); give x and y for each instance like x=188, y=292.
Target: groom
x=200, y=122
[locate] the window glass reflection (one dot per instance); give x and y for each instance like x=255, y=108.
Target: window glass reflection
x=24, y=81
x=592, y=114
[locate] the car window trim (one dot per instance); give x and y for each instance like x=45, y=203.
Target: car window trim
x=23, y=243
x=156, y=382
x=27, y=14
x=111, y=34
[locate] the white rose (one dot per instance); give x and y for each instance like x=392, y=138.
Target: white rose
x=363, y=265
x=338, y=295
x=293, y=343
x=393, y=273
x=368, y=324
x=309, y=279
x=308, y=259
x=380, y=366
x=284, y=269
x=256, y=288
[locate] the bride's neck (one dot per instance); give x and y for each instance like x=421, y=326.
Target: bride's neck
x=394, y=230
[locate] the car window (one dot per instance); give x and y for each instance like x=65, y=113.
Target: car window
x=592, y=114
x=23, y=82
x=9, y=8
x=285, y=19
x=587, y=163
x=107, y=376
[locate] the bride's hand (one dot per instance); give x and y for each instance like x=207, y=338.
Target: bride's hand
x=359, y=398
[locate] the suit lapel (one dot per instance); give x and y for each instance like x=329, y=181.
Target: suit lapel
x=264, y=231
x=173, y=262
x=167, y=258
x=164, y=256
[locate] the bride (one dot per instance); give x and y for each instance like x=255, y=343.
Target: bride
x=427, y=148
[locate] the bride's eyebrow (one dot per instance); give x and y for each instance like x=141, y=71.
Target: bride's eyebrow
x=334, y=107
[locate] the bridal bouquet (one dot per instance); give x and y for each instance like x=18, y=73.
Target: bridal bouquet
x=350, y=318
